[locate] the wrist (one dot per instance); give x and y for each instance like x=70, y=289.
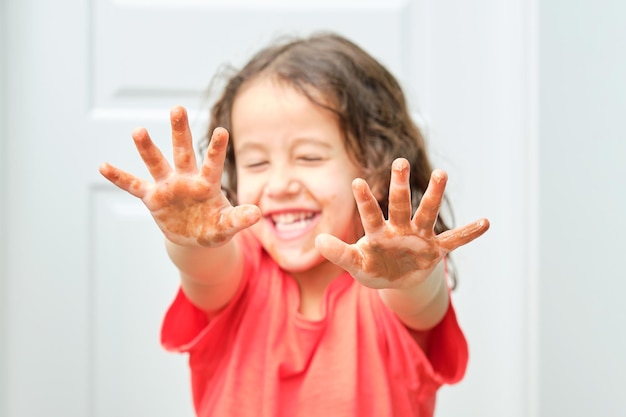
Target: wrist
x=423, y=305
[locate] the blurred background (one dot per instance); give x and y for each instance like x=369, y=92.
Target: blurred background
x=521, y=102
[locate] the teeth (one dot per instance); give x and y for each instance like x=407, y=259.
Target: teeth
x=291, y=221
x=286, y=218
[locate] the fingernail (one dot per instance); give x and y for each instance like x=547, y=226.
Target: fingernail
x=400, y=164
x=438, y=175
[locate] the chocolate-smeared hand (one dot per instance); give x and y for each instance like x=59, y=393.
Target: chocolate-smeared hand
x=403, y=250
x=187, y=203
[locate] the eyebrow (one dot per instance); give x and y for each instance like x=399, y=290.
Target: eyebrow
x=298, y=141
x=248, y=146
x=312, y=141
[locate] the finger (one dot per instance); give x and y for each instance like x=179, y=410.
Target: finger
x=400, y=193
x=124, y=180
x=233, y=220
x=213, y=163
x=153, y=158
x=369, y=210
x=452, y=239
x=428, y=210
x=244, y=216
x=348, y=257
x=184, y=155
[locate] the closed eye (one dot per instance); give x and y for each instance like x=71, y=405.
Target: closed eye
x=256, y=164
x=310, y=159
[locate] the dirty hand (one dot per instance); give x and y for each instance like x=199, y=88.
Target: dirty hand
x=187, y=203
x=400, y=252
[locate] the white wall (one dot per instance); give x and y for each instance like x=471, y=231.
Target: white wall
x=582, y=208
x=3, y=274
x=581, y=202
x=478, y=118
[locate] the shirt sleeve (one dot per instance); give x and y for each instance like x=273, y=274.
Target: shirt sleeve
x=185, y=326
x=447, y=356
x=448, y=351
x=182, y=324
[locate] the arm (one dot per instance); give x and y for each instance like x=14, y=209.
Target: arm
x=189, y=207
x=209, y=277
x=401, y=256
x=423, y=306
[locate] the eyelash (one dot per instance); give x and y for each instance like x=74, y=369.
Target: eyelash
x=309, y=158
x=304, y=158
x=256, y=164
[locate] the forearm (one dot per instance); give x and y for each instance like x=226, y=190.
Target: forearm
x=205, y=264
x=209, y=276
x=421, y=307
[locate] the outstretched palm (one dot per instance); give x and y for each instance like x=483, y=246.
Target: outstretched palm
x=186, y=202
x=401, y=251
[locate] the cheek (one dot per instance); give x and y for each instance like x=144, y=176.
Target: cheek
x=341, y=219
x=247, y=191
x=336, y=182
x=337, y=202
x=342, y=193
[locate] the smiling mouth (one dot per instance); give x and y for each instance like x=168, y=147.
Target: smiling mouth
x=291, y=222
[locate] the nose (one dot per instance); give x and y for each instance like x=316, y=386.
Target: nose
x=282, y=182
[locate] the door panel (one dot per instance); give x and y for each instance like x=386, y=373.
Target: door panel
x=148, y=55
x=133, y=281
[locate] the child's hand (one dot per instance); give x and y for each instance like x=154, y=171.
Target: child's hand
x=187, y=204
x=400, y=252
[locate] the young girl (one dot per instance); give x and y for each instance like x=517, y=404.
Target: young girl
x=313, y=281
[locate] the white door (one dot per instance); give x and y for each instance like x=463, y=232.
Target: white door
x=87, y=280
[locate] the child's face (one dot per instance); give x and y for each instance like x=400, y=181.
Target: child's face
x=292, y=163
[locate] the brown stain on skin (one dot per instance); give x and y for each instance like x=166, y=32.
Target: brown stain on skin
x=370, y=212
x=215, y=239
x=453, y=239
x=189, y=220
x=185, y=160
x=390, y=261
x=178, y=117
x=187, y=210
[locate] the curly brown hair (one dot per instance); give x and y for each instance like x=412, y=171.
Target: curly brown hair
x=366, y=98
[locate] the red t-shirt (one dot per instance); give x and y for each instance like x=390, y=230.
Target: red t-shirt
x=260, y=357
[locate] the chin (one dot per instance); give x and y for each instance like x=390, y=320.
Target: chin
x=298, y=262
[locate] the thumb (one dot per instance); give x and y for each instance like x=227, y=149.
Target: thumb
x=245, y=216
x=338, y=252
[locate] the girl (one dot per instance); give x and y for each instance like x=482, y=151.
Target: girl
x=313, y=281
